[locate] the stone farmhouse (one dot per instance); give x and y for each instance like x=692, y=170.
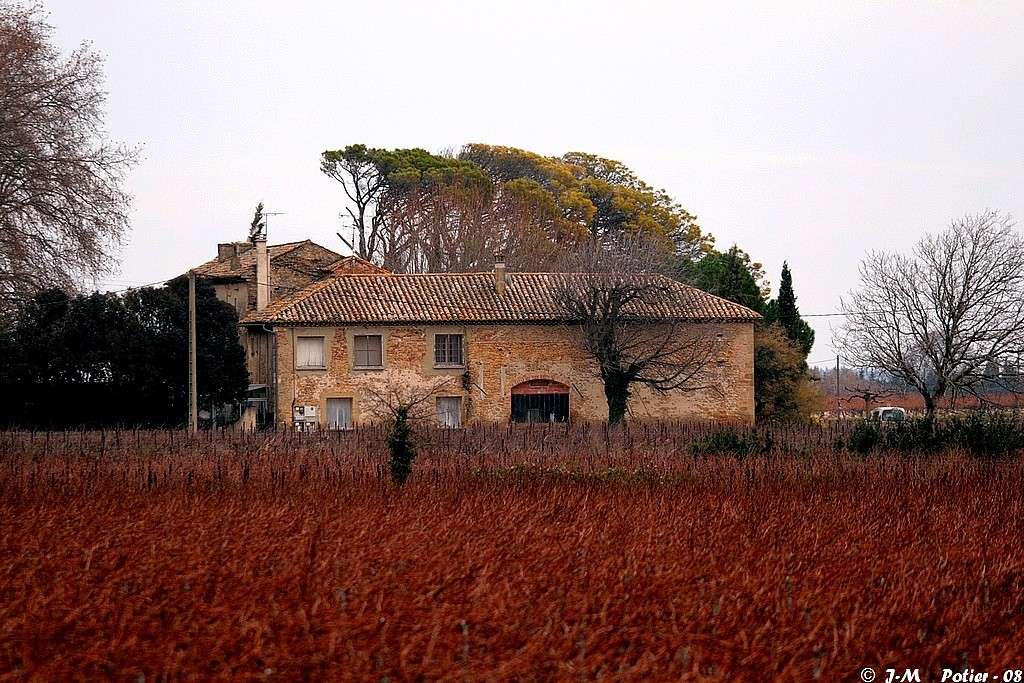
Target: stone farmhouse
x=493, y=346
x=249, y=275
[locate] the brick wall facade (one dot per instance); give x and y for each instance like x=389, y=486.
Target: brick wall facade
x=500, y=357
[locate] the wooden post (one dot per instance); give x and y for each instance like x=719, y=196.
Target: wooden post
x=193, y=400
x=837, y=384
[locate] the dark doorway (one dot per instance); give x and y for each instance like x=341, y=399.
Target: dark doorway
x=540, y=400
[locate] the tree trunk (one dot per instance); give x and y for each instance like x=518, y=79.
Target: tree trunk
x=929, y=407
x=616, y=390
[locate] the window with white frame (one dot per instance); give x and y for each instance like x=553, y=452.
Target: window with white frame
x=369, y=351
x=449, y=411
x=339, y=413
x=448, y=350
x=309, y=353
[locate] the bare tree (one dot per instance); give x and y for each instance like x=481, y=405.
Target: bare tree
x=616, y=295
x=62, y=206
x=403, y=397
x=866, y=393
x=402, y=391
x=938, y=318
x=448, y=216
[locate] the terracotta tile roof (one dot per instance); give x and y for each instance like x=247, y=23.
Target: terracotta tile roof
x=246, y=261
x=464, y=297
x=348, y=265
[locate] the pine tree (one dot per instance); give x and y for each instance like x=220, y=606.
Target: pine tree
x=730, y=275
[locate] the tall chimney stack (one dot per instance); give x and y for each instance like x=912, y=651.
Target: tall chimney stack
x=499, y=274
x=262, y=272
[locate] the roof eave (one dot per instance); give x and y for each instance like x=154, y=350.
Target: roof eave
x=433, y=321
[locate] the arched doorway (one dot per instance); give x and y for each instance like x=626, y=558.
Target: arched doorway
x=540, y=400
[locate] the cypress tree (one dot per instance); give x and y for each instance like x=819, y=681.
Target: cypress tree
x=400, y=446
x=785, y=312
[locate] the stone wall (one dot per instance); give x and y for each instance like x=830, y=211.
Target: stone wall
x=289, y=273
x=298, y=268
x=234, y=293
x=500, y=357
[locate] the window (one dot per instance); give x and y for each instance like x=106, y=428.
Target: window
x=449, y=411
x=448, y=350
x=540, y=400
x=540, y=408
x=339, y=413
x=309, y=353
x=369, y=351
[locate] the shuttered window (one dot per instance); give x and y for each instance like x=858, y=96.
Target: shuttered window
x=309, y=353
x=368, y=351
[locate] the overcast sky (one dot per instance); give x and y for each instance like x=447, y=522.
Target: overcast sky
x=807, y=132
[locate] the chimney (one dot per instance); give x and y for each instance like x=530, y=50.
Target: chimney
x=240, y=248
x=262, y=273
x=225, y=251
x=499, y=274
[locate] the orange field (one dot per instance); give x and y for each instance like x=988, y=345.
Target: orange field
x=509, y=555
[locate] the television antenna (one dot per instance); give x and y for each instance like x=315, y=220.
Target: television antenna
x=266, y=222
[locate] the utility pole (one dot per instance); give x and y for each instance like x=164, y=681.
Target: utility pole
x=837, y=382
x=193, y=400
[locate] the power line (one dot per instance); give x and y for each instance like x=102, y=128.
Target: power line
x=148, y=284
x=26, y=299
x=98, y=283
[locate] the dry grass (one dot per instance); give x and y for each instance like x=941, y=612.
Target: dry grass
x=509, y=555
x=914, y=402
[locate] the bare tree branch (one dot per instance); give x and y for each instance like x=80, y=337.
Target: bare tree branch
x=941, y=317
x=612, y=283
x=62, y=206
x=867, y=394
x=394, y=391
